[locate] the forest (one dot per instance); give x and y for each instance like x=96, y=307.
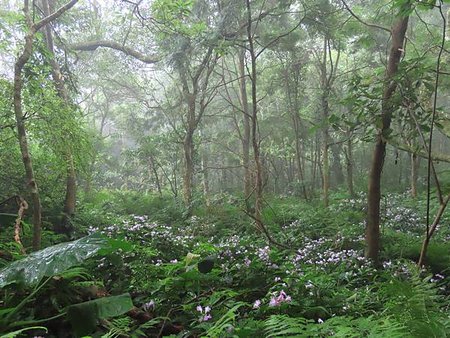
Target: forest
x=224, y=168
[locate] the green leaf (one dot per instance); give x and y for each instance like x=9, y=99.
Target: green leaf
x=21, y=331
x=84, y=316
x=51, y=261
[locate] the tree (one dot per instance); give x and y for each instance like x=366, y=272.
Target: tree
x=71, y=180
x=388, y=107
x=22, y=59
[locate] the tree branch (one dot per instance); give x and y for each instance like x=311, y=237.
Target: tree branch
x=93, y=45
x=434, y=156
x=38, y=25
x=363, y=22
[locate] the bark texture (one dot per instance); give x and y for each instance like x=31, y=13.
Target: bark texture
x=374, y=193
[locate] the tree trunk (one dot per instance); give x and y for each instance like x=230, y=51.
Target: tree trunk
x=336, y=167
x=388, y=106
x=430, y=232
x=414, y=174
x=23, y=141
x=20, y=63
x=259, y=186
x=294, y=107
x=349, y=159
x=188, y=147
x=204, y=168
x=325, y=87
x=155, y=174
x=246, y=121
x=71, y=181
x=71, y=193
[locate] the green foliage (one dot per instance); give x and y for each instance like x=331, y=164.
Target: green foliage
x=53, y=260
x=84, y=316
x=415, y=304
x=225, y=322
x=284, y=326
x=21, y=331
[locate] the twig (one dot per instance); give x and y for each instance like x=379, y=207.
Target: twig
x=363, y=22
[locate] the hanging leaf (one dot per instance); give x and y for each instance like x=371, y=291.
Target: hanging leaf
x=84, y=316
x=54, y=260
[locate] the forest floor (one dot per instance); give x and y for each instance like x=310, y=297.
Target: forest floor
x=211, y=274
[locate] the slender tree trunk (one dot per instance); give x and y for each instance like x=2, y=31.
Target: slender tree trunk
x=259, y=186
x=298, y=157
x=188, y=147
x=349, y=159
x=432, y=229
x=155, y=174
x=414, y=174
x=23, y=140
x=247, y=130
x=326, y=133
x=71, y=181
x=388, y=106
x=315, y=164
x=255, y=139
x=293, y=103
x=205, y=174
x=71, y=192
x=325, y=172
x=336, y=167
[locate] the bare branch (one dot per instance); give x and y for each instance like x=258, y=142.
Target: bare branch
x=363, y=22
x=38, y=25
x=93, y=45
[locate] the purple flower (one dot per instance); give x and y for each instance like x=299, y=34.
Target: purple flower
x=273, y=302
x=205, y=313
x=149, y=306
x=257, y=304
x=281, y=298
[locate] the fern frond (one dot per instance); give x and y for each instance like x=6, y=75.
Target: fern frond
x=119, y=327
x=284, y=326
x=224, y=322
x=76, y=272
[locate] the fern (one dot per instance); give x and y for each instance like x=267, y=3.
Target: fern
x=284, y=326
x=76, y=273
x=415, y=304
x=147, y=325
x=119, y=327
x=225, y=322
x=362, y=327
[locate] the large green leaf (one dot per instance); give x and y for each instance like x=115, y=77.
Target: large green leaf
x=21, y=331
x=52, y=261
x=84, y=316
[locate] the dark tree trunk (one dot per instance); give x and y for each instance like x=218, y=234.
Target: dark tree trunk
x=379, y=152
